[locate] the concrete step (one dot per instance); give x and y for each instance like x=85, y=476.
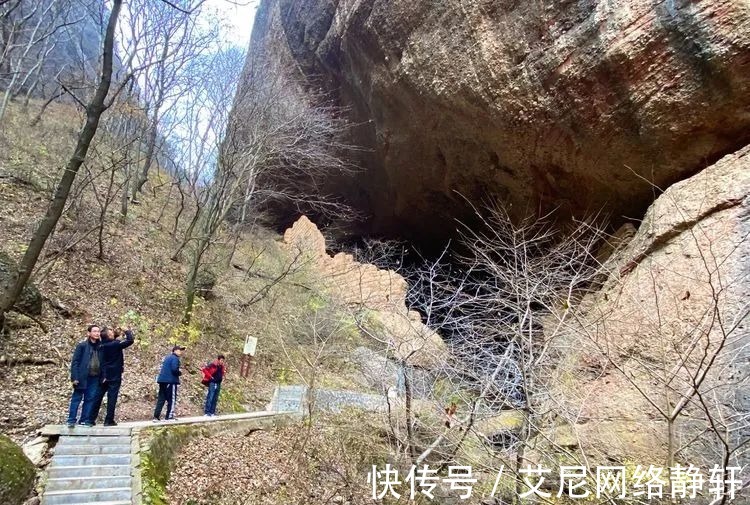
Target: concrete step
x=94, y=440
x=119, y=502
x=103, y=459
x=90, y=450
x=74, y=472
x=86, y=496
x=82, y=483
x=83, y=431
x=202, y=419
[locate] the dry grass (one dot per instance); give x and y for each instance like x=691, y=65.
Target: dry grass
x=327, y=463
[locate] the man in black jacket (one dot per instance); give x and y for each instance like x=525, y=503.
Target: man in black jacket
x=112, y=367
x=85, y=368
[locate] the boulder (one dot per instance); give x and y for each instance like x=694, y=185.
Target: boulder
x=380, y=293
x=205, y=283
x=36, y=449
x=17, y=473
x=674, y=307
x=30, y=301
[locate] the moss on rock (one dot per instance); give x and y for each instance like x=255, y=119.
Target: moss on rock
x=17, y=473
x=30, y=300
x=157, y=459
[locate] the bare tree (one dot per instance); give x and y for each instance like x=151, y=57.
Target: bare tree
x=172, y=39
x=94, y=111
x=531, y=275
x=267, y=138
x=675, y=337
x=211, y=182
x=501, y=307
x=29, y=36
x=293, y=142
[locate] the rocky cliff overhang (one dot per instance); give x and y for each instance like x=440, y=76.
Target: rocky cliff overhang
x=576, y=105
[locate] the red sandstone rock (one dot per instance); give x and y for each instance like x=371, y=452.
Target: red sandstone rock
x=551, y=103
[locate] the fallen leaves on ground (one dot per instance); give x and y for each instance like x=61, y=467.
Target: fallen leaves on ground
x=281, y=466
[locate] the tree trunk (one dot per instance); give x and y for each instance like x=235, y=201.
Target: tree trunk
x=192, y=279
x=7, y=95
x=103, y=213
x=54, y=97
x=124, y=198
x=409, y=415
x=167, y=201
x=179, y=211
x=188, y=234
x=150, y=147
x=94, y=111
x=187, y=316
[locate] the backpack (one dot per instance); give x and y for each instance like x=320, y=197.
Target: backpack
x=208, y=373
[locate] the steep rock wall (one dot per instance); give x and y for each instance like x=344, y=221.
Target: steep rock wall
x=545, y=103
x=669, y=326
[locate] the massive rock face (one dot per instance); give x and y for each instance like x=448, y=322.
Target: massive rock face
x=542, y=104
x=669, y=329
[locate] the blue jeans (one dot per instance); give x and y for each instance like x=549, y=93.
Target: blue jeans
x=112, y=390
x=87, y=395
x=212, y=398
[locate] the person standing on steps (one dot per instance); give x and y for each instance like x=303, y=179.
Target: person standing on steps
x=112, y=365
x=213, y=374
x=168, y=380
x=85, y=368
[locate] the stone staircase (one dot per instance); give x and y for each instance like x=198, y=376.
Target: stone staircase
x=91, y=466
x=100, y=466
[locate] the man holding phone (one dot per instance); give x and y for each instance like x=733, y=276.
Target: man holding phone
x=112, y=367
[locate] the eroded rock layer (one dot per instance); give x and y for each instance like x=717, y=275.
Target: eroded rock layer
x=548, y=103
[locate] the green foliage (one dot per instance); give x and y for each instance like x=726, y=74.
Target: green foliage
x=140, y=325
x=350, y=330
x=316, y=303
x=447, y=392
x=231, y=400
x=285, y=376
x=186, y=334
x=154, y=492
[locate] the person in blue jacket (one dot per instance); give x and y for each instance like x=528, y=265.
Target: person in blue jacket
x=85, y=368
x=168, y=380
x=112, y=367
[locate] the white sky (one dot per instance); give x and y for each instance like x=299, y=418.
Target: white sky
x=239, y=14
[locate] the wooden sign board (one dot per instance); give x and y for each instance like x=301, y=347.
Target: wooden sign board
x=250, y=344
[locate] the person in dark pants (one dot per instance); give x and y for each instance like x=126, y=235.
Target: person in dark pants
x=214, y=373
x=168, y=381
x=84, y=376
x=112, y=365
